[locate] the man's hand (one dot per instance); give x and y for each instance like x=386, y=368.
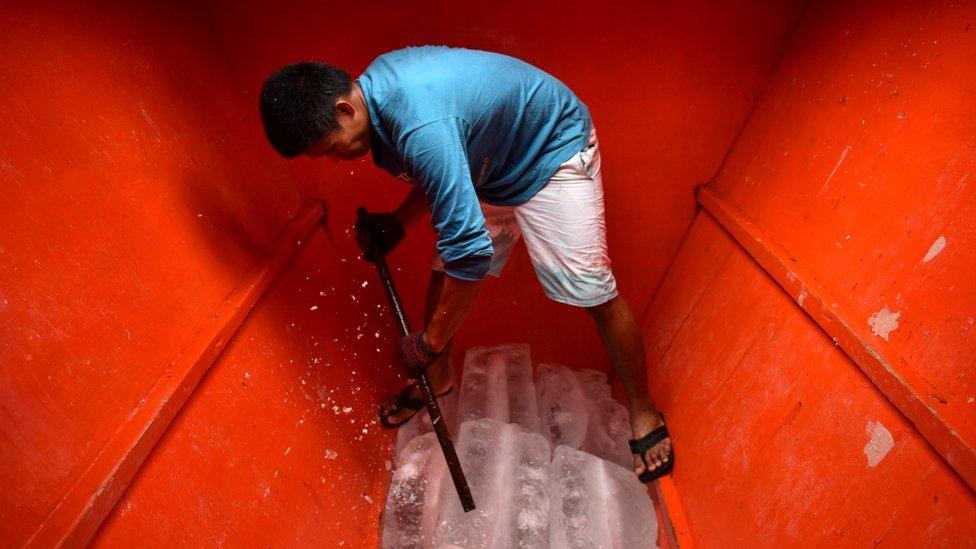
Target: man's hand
x=417, y=353
x=377, y=234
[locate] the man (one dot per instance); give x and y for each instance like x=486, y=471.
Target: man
x=495, y=149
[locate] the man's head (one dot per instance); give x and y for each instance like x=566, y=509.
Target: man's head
x=314, y=109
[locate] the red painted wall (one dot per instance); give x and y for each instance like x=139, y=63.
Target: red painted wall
x=138, y=194
x=287, y=482
x=845, y=301
x=773, y=423
x=280, y=444
x=134, y=198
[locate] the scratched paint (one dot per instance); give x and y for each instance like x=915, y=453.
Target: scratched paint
x=935, y=249
x=884, y=322
x=880, y=442
x=843, y=156
x=802, y=297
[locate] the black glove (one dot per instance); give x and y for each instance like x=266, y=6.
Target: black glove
x=377, y=234
x=416, y=353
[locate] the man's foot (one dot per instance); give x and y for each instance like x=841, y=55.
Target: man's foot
x=657, y=456
x=398, y=409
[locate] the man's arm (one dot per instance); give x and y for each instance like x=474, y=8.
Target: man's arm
x=455, y=302
x=413, y=207
x=457, y=296
x=435, y=155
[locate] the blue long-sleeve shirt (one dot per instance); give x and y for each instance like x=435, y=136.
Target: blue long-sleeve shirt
x=467, y=124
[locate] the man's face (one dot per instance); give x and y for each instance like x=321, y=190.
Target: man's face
x=349, y=142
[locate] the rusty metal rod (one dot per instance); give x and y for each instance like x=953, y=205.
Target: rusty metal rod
x=423, y=382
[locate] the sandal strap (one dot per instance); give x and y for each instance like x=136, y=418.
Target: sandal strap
x=649, y=440
x=404, y=400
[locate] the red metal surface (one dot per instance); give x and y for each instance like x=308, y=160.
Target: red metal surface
x=839, y=411
x=138, y=193
x=864, y=168
x=774, y=423
x=280, y=442
x=134, y=199
x=946, y=429
x=80, y=513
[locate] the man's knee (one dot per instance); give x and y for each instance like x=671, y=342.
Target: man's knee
x=603, y=311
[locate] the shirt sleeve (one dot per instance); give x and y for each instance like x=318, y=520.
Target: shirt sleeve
x=436, y=158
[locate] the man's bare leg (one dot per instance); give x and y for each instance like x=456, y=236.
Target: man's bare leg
x=439, y=372
x=624, y=345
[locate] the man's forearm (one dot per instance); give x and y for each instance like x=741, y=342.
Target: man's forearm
x=413, y=207
x=455, y=302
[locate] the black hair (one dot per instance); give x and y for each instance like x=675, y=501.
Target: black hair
x=298, y=105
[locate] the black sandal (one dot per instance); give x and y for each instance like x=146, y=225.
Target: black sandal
x=648, y=441
x=403, y=401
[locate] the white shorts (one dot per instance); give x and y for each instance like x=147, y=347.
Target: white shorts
x=564, y=230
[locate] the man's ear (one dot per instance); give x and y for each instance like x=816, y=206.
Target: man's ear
x=344, y=107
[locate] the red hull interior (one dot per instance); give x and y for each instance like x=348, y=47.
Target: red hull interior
x=188, y=356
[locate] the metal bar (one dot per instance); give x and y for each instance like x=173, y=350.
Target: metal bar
x=427, y=391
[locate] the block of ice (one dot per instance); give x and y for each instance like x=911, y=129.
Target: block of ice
x=594, y=383
x=507, y=469
x=526, y=495
x=597, y=504
x=562, y=408
x=497, y=384
x=527, y=525
x=608, y=428
x=632, y=520
x=476, y=385
x=522, y=406
x=413, y=499
x=608, y=431
x=476, y=446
